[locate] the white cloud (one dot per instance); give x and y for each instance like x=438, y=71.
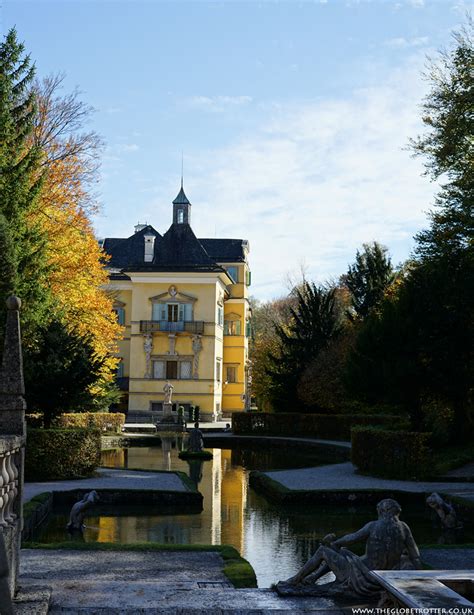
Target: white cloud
x=218, y=103
x=317, y=180
x=127, y=147
x=402, y=42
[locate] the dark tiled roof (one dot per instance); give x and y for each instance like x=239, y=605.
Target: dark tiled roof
x=180, y=247
x=125, y=252
x=224, y=250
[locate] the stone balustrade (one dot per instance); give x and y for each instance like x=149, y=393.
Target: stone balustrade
x=10, y=454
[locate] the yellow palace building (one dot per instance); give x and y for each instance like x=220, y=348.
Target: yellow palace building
x=183, y=302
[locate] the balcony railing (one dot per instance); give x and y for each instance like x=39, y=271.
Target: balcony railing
x=188, y=326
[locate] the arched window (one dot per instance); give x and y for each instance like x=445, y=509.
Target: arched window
x=180, y=216
x=232, y=324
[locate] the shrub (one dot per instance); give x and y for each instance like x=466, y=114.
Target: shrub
x=58, y=454
x=392, y=454
x=34, y=420
x=105, y=421
x=325, y=426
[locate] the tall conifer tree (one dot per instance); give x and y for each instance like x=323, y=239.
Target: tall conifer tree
x=23, y=260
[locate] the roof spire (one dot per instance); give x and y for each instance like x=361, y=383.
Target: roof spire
x=182, y=168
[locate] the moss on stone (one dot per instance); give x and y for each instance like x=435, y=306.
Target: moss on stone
x=238, y=570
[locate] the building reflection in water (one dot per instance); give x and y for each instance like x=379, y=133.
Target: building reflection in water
x=224, y=487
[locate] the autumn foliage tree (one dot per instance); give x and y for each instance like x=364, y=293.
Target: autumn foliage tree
x=77, y=275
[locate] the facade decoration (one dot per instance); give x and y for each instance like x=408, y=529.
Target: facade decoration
x=148, y=348
x=197, y=347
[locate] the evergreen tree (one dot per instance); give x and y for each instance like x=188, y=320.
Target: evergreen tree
x=60, y=373
x=20, y=183
x=314, y=321
x=448, y=149
x=368, y=278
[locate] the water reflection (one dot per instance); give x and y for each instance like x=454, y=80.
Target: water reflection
x=276, y=540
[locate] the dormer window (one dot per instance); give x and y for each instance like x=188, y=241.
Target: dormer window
x=180, y=216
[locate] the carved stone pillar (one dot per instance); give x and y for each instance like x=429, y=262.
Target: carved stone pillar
x=197, y=347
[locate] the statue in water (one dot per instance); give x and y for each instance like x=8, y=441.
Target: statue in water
x=196, y=440
x=78, y=511
x=446, y=513
x=389, y=546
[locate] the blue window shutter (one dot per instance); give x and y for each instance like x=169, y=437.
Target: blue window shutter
x=188, y=312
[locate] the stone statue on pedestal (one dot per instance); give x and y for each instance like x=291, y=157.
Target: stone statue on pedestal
x=389, y=546
x=196, y=440
x=446, y=513
x=78, y=511
x=168, y=390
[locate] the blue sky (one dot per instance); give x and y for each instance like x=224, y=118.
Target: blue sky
x=293, y=117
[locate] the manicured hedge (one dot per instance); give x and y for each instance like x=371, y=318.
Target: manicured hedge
x=105, y=421
x=55, y=454
x=325, y=426
x=392, y=454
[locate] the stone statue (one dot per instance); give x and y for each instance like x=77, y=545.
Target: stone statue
x=168, y=390
x=389, y=546
x=445, y=511
x=78, y=511
x=197, y=347
x=148, y=348
x=196, y=440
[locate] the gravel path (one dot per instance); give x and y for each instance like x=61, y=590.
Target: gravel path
x=344, y=476
x=111, y=479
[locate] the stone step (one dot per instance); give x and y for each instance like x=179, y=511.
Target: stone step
x=112, y=598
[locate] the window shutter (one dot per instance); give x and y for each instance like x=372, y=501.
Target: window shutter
x=181, y=312
x=164, y=315
x=185, y=370
x=159, y=370
x=237, y=327
x=188, y=312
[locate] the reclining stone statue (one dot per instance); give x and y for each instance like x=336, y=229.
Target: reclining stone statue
x=389, y=546
x=78, y=511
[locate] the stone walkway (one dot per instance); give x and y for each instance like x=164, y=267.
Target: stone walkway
x=465, y=472
x=343, y=476
x=111, y=479
x=113, y=582
x=449, y=559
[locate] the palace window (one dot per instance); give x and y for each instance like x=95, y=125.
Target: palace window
x=172, y=312
x=232, y=327
x=120, y=312
x=120, y=369
x=172, y=370
x=218, y=370
x=220, y=315
x=234, y=273
x=180, y=216
x=231, y=373
x=185, y=370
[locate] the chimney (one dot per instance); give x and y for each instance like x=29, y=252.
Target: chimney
x=149, y=247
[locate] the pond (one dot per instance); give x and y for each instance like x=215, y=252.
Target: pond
x=275, y=539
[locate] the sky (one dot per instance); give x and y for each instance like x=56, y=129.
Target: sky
x=292, y=118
